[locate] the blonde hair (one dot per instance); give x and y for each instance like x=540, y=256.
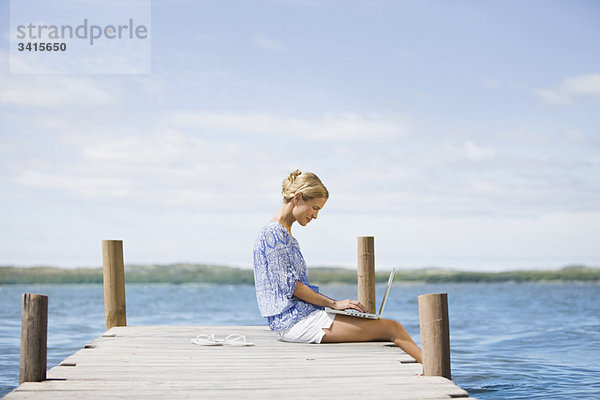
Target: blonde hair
x=306, y=183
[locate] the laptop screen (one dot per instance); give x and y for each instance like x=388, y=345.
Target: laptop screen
x=387, y=291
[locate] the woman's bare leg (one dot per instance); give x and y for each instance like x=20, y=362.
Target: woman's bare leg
x=352, y=329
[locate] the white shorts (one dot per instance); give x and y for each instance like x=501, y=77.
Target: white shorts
x=309, y=329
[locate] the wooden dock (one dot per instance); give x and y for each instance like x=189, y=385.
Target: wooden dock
x=160, y=362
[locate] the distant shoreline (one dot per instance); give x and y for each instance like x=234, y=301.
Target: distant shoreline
x=203, y=273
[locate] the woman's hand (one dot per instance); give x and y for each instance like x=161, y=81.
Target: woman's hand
x=348, y=303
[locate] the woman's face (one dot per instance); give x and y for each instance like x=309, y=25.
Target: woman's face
x=307, y=210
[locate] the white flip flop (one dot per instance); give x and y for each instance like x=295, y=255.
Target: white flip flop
x=237, y=340
x=206, y=339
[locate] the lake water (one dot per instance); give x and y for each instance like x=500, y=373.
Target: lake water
x=508, y=341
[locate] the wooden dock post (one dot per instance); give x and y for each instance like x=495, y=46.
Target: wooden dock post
x=435, y=334
x=113, y=271
x=34, y=333
x=366, y=272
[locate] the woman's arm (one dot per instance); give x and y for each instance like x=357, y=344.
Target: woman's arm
x=305, y=293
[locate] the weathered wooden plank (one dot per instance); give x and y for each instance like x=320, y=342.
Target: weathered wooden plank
x=242, y=358
x=324, y=387
x=104, y=385
x=292, y=393
x=185, y=373
x=232, y=394
x=264, y=384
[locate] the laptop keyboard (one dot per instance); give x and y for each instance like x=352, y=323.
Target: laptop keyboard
x=354, y=312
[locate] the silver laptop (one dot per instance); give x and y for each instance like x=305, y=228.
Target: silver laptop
x=352, y=312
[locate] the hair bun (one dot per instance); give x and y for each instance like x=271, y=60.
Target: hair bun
x=308, y=184
x=288, y=184
x=293, y=175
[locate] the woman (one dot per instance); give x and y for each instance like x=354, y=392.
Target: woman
x=294, y=307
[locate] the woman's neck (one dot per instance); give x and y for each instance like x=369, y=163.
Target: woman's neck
x=285, y=216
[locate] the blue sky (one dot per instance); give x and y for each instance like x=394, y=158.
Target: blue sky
x=461, y=134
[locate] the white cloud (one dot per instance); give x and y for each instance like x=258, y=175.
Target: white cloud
x=478, y=153
x=49, y=91
x=169, y=168
x=6, y=148
x=583, y=85
x=264, y=42
x=580, y=138
x=594, y=160
x=220, y=187
x=153, y=149
x=79, y=183
x=553, y=96
x=38, y=91
x=207, y=160
x=570, y=88
x=449, y=155
x=330, y=127
x=521, y=137
x=492, y=84
x=460, y=241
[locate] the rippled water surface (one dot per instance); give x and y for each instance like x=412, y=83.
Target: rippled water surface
x=508, y=341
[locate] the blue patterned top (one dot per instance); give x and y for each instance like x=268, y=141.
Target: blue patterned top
x=278, y=265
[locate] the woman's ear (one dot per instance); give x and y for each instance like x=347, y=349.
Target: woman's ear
x=297, y=198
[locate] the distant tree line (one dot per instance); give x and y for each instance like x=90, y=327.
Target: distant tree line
x=202, y=273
